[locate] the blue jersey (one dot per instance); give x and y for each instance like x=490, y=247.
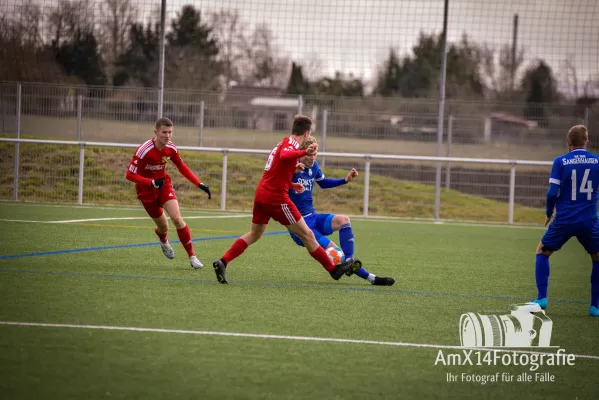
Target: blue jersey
x=304, y=201
x=577, y=174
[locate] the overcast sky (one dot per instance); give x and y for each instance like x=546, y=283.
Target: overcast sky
x=355, y=35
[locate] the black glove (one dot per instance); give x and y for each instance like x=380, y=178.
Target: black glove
x=205, y=189
x=158, y=183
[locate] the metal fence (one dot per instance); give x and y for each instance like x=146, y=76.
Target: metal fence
x=389, y=185
x=255, y=119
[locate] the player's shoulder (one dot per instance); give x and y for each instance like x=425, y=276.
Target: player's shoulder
x=290, y=141
x=171, y=146
x=144, y=148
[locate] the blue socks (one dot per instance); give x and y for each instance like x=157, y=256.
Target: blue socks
x=542, y=275
x=346, y=237
x=362, y=273
x=595, y=284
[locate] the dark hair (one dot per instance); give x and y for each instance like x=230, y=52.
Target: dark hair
x=578, y=135
x=163, y=122
x=301, y=124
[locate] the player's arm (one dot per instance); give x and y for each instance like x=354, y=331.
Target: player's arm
x=327, y=183
x=289, y=151
x=189, y=175
x=553, y=191
x=137, y=164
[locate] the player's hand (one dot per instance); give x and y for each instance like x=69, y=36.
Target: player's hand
x=298, y=187
x=299, y=167
x=547, y=220
x=205, y=189
x=158, y=183
x=312, y=149
x=352, y=174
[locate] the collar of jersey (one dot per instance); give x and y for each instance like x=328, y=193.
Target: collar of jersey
x=579, y=150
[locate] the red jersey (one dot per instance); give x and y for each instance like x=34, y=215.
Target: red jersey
x=149, y=163
x=278, y=172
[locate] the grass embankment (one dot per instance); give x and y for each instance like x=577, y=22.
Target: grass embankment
x=49, y=173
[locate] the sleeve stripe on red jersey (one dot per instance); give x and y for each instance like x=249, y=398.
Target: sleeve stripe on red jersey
x=143, y=150
x=133, y=169
x=293, y=142
x=172, y=146
x=144, y=146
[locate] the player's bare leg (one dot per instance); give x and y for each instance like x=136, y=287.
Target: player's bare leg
x=172, y=208
x=301, y=229
x=161, y=230
x=542, y=274
x=236, y=249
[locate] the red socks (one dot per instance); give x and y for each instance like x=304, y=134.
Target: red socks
x=235, y=250
x=185, y=238
x=322, y=257
x=161, y=236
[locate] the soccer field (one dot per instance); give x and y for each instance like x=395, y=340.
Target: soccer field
x=92, y=309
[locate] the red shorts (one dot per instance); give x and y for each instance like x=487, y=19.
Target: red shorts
x=154, y=199
x=285, y=213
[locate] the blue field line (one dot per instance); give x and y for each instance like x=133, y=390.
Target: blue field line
x=292, y=285
x=124, y=246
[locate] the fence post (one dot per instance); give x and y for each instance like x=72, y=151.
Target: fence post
x=223, y=185
x=3, y=116
x=325, y=117
x=81, y=172
x=201, y=123
x=449, y=138
x=300, y=104
x=366, y=185
x=510, y=215
x=17, y=147
x=585, y=122
x=79, y=113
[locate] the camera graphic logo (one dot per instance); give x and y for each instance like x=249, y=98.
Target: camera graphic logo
x=525, y=326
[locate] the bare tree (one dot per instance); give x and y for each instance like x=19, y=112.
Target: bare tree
x=116, y=17
x=229, y=31
x=68, y=17
x=499, y=70
x=266, y=66
x=28, y=21
x=22, y=51
x=312, y=67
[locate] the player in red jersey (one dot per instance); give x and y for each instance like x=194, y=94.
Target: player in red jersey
x=155, y=190
x=272, y=201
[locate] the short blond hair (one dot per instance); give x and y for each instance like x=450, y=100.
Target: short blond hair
x=578, y=135
x=308, y=142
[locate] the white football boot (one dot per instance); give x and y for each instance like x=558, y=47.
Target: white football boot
x=195, y=262
x=167, y=250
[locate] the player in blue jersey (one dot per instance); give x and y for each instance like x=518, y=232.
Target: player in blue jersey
x=573, y=192
x=307, y=173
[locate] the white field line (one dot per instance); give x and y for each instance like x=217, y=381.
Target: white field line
x=70, y=221
x=449, y=223
x=97, y=207
x=353, y=217
x=280, y=337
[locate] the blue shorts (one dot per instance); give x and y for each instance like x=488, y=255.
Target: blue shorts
x=586, y=232
x=321, y=225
